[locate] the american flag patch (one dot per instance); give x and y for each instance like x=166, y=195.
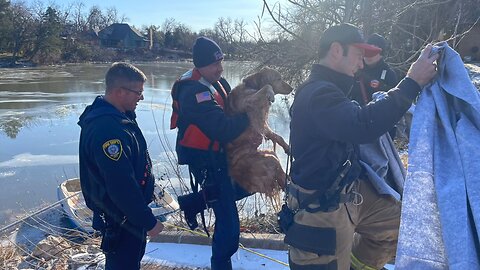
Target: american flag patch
x=203, y=96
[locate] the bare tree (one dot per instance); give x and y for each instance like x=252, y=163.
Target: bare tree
x=169, y=25
x=241, y=30
x=408, y=24
x=95, y=19
x=177, y=35
x=112, y=16
x=22, y=34
x=79, y=18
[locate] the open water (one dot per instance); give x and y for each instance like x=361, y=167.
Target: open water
x=39, y=110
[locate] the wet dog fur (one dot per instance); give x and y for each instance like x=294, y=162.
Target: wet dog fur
x=254, y=169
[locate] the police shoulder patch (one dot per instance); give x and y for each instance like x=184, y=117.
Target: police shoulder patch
x=113, y=149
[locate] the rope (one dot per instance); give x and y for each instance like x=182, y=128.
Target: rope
x=240, y=245
x=168, y=224
x=37, y=212
x=262, y=255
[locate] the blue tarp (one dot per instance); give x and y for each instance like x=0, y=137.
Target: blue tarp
x=440, y=221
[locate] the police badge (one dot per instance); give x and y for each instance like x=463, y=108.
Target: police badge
x=113, y=149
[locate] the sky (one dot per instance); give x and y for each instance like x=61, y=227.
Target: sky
x=197, y=14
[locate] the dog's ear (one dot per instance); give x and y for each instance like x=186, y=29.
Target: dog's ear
x=253, y=81
x=259, y=79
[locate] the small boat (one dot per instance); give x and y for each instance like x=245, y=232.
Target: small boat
x=70, y=194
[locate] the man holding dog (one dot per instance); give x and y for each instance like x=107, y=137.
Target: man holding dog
x=330, y=199
x=198, y=97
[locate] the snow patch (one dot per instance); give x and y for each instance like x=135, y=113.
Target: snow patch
x=29, y=160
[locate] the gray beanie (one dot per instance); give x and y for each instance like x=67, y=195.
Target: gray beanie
x=206, y=52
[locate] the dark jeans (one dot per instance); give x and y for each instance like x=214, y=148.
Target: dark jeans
x=128, y=253
x=227, y=225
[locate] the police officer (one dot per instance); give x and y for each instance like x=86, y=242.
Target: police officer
x=329, y=200
x=198, y=97
x=116, y=170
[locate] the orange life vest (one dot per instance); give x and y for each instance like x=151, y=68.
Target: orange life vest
x=193, y=136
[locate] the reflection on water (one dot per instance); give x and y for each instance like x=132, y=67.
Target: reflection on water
x=11, y=125
x=30, y=93
x=39, y=109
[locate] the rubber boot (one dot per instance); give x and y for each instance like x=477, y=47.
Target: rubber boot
x=192, y=204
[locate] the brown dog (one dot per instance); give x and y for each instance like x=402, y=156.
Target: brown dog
x=256, y=170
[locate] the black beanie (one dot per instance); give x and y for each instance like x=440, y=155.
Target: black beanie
x=206, y=52
x=379, y=41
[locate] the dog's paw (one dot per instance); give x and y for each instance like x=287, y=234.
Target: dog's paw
x=270, y=94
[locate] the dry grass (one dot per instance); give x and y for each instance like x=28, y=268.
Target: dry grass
x=151, y=266
x=402, y=147
x=65, y=245
x=258, y=215
x=264, y=223
x=9, y=256
x=12, y=256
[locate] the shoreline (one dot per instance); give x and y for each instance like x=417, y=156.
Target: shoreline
x=29, y=64
x=49, y=240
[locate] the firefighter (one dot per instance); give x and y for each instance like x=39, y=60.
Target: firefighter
x=329, y=196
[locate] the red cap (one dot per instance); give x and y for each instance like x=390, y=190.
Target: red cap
x=348, y=34
x=370, y=50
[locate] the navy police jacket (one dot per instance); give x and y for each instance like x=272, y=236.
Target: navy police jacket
x=203, y=126
x=324, y=120
x=115, y=167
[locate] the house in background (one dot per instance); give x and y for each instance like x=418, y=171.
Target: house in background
x=90, y=37
x=469, y=45
x=122, y=36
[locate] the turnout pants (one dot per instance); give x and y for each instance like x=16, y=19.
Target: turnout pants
x=362, y=236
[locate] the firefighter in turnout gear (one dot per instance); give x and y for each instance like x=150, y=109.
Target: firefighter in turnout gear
x=339, y=219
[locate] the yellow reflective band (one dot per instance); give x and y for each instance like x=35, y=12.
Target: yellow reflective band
x=358, y=265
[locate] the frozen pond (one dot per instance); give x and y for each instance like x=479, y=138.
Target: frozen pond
x=39, y=110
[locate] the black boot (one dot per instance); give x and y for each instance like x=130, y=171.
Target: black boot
x=221, y=265
x=192, y=204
